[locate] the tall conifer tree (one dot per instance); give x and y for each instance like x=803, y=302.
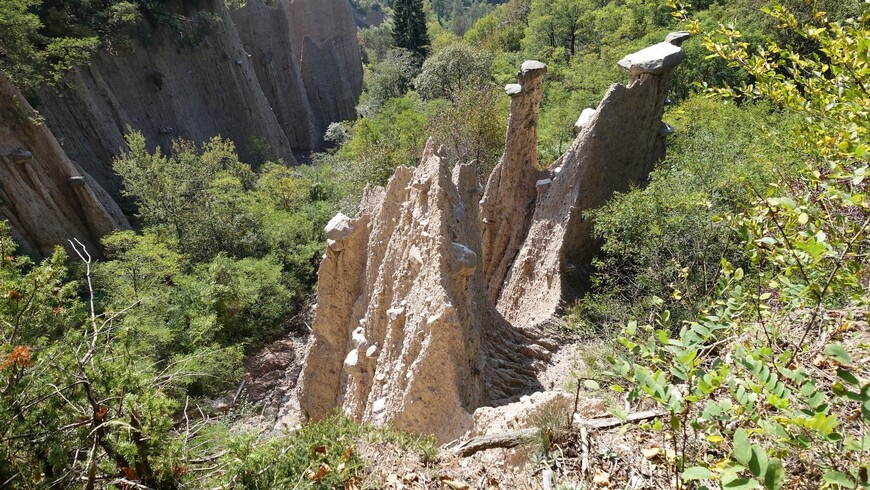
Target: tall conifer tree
x=409, y=27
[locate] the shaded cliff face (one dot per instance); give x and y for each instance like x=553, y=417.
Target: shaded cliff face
x=266, y=34
x=45, y=197
x=325, y=43
x=244, y=81
x=307, y=59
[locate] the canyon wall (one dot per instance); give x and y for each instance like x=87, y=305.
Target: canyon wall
x=46, y=198
x=431, y=303
x=249, y=79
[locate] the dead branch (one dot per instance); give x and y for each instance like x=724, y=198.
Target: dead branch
x=515, y=438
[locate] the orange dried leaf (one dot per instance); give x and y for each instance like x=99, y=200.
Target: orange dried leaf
x=321, y=472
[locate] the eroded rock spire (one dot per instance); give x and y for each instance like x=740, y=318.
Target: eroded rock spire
x=407, y=329
x=616, y=147
x=509, y=199
x=404, y=331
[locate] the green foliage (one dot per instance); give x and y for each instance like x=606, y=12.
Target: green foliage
x=472, y=127
x=320, y=455
x=746, y=358
x=380, y=143
x=42, y=40
x=387, y=79
x=503, y=30
x=18, y=30
x=80, y=400
x=451, y=70
x=409, y=27
x=226, y=255
x=197, y=198
x=323, y=454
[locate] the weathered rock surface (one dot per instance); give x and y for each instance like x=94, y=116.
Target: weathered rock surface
x=325, y=43
x=678, y=38
x=583, y=120
x=308, y=62
x=404, y=331
x=656, y=59
x=248, y=78
x=45, y=197
x=267, y=37
x=508, y=201
x=616, y=148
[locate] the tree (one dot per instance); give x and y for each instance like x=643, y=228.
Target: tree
x=387, y=79
x=566, y=24
x=199, y=196
x=472, y=127
x=409, y=27
x=453, y=69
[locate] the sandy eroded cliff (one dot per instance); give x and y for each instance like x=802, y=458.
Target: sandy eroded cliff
x=264, y=74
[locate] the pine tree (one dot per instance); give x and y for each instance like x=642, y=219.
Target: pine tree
x=409, y=27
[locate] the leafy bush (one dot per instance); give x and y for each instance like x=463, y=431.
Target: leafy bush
x=319, y=455
x=664, y=243
x=762, y=376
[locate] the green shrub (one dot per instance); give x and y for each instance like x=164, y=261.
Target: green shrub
x=664, y=242
x=319, y=455
x=763, y=385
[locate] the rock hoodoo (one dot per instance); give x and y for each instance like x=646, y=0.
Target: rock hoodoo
x=45, y=197
x=616, y=147
x=507, y=204
x=404, y=330
x=407, y=328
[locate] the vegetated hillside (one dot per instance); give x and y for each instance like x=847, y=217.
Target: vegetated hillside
x=744, y=254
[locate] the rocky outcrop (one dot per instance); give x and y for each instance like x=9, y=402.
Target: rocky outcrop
x=46, y=198
x=307, y=60
x=165, y=92
x=615, y=149
x=248, y=80
x=404, y=330
x=507, y=204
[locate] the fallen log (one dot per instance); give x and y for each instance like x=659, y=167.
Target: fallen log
x=511, y=439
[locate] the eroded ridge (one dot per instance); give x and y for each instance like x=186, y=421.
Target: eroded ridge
x=404, y=330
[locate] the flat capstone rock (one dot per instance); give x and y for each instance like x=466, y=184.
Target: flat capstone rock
x=655, y=59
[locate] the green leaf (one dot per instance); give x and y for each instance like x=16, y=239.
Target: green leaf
x=775, y=476
x=591, y=384
x=741, y=484
x=742, y=449
x=697, y=473
x=838, y=353
x=758, y=463
x=848, y=377
x=838, y=478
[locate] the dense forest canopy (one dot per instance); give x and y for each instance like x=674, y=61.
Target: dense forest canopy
x=752, y=230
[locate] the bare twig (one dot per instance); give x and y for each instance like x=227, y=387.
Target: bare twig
x=515, y=438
